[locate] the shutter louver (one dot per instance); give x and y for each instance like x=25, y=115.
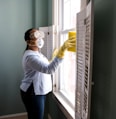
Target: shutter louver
x=84, y=59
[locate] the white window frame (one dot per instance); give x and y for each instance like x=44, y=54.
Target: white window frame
x=68, y=108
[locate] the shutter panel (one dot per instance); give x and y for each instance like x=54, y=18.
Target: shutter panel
x=84, y=63
x=48, y=47
x=50, y=42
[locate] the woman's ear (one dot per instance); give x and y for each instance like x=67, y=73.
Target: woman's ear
x=32, y=42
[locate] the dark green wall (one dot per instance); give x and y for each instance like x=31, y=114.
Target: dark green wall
x=41, y=13
x=53, y=108
x=16, y=16
x=50, y=12
x=104, y=61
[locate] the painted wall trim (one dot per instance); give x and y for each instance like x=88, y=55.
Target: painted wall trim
x=15, y=116
x=49, y=117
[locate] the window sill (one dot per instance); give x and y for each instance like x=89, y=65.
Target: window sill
x=64, y=106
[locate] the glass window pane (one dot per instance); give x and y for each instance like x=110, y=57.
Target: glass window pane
x=68, y=68
x=70, y=8
x=68, y=84
x=67, y=14
x=68, y=74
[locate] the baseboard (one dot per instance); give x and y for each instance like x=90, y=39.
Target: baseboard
x=49, y=117
x=15, y=116
x=18, y=116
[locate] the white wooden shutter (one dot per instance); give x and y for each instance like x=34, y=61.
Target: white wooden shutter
x=48, y=47
x=84, y=63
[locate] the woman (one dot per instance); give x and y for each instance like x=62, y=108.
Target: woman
x=37, y=83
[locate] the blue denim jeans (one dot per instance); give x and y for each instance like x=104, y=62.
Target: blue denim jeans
x=34, y=104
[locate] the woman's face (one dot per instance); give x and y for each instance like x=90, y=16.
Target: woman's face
x=36, y=38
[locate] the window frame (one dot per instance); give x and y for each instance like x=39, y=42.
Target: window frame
x=58, y=31
x=68, y=111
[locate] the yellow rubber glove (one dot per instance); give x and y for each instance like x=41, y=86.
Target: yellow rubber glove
x=55, y=52
x=70, y=43
x=71, y=34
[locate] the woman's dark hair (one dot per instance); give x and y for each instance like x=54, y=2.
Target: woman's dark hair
x=27, y=36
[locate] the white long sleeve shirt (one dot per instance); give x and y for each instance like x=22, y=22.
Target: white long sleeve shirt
x=38, y=70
